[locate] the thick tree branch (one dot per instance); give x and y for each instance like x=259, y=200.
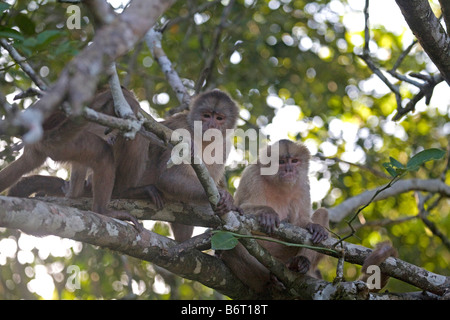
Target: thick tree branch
x=78, y=81
x=356, y=254
x=37, y=217
x=430, y=33
x=351, y=204
x=34, y=216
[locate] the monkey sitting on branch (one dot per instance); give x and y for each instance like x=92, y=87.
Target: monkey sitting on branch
x=281, y=195
x=116, y=166
x=212, y=116
x=206, y=126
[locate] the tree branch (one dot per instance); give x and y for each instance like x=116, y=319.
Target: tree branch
x=34, y=216
x=37, y=217
x=78, y=81
x=209, y=63
x=350, y=205
x=445, y=7
x=153, y=40
x=24, y=64
x=428, y=30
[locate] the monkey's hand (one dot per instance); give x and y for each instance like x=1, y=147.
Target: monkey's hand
x=226, y=203
x=318, y=232
x=299, y=264
x=122, y=215
x=269, y=220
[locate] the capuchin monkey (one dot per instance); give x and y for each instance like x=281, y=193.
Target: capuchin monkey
x=116, y=166
x=282, y=196
x=210, y=115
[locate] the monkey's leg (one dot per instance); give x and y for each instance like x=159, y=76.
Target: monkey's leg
x=382, y=251
x=77, y=180
x=30, y=159
x=91, y=151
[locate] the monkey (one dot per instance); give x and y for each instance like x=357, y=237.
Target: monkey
x=213, y=110
x=282, y=196
x=382, y=251
x=116, y=167
x=209, y=110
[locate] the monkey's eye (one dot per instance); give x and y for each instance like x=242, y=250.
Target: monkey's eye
x=220, y=118
x=294, y=160
x=282, y=161
x=206, y=115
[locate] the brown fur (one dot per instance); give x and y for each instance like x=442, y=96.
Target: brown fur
x=41, y=185
x=283, y=196
x=117, y=167
x=180, y=182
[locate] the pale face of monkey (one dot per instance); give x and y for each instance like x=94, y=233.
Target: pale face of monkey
x=212, y=120
x=293, y=161
x=215, y=109
x=289, y=168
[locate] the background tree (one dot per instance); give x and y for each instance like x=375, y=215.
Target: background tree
x=297, y=69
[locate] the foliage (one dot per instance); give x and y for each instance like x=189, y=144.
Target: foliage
x=273, y=57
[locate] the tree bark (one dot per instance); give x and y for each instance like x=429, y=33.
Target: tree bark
x=40, y=218
x=350, y=205
x=430, y=33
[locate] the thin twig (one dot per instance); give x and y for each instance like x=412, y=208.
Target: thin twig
x=209, y=63
x=426, y=88
x=350, y=221
x=24, y=65
x=423, y=215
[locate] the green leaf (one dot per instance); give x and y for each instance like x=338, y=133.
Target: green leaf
x=394, y=168
x=4, y=6
x=396, y=163
x=223, y=240
x=390, y=169
x=426, y=155
x=47, y=36
x=25, y=24
x=10, y=33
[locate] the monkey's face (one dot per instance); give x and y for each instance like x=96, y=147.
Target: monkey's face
x=212, y=120
x=293, y=161
x=289, y=168
x=215, y=109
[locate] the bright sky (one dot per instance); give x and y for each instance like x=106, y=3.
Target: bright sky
x=288, y=120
